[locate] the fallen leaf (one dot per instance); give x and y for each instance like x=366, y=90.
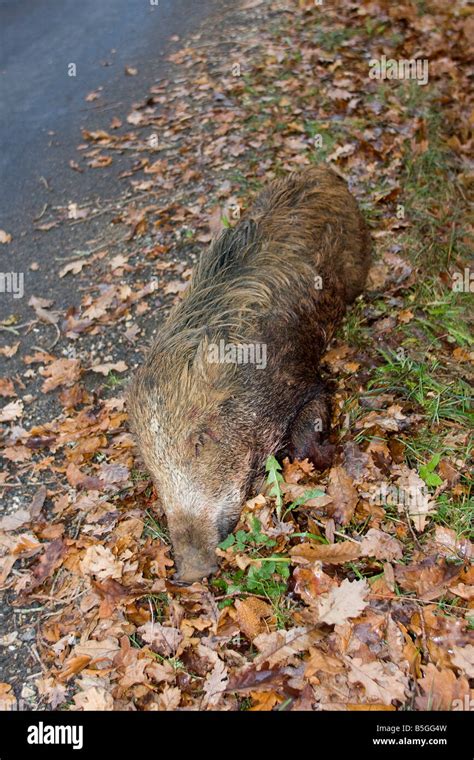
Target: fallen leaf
x=215, y=685
x=380, y=545
x=343, y=602
x=100, y=562
x=416, y=500
x=169, y=699
x=383, y=681
x=334, y=554
x=74, y=267
x=463, y=658
x=15, y=520
x=94, y=698
x=60, y=372
x=11, y=411
x=164, y=639
x=344, y=495
x=251, y=615
x=277, y=647
x=441, y=690
x=104, y=369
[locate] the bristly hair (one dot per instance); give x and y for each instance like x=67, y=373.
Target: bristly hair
x=261, y=273
x=233, y=287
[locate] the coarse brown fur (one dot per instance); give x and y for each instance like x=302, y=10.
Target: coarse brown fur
x=205, y=429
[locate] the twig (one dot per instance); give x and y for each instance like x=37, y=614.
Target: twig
x=7, y=328
x=423, y=633
x=336, y=532
x=240, y=593
x=114, y=206
x=37, y=218
x=410, y=527
x=36, y=656
x=101, y=107
x=48, y=349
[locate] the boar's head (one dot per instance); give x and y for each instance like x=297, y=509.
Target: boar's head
x=195, y=434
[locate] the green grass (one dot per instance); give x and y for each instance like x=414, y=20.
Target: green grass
x=154, y=529
x=158, y=603
x=457, y=514
x=332, y=39
x=114, y=381
x=417, y=382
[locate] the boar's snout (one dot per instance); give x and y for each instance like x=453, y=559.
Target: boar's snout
x=194, y=544
x=194, y=565
x=190, y=572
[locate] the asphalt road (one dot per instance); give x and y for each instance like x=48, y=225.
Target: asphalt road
x=42, y=111
x=42, y=107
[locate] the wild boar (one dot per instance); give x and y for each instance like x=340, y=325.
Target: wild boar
x=233, y=374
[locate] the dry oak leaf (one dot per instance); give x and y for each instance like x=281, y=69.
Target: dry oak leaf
x=99, y=561
x=164, y=639
x=72, y=667
x=5, y=237
x=9, y=351
x=277, y=647
x=460, y=546
x=6, y=387
x=41, y=306
x=11, y=411
x=55, y=693
x=159, y=672
x=94, y=698
x=442, y=690
x=7, y=697
x=16, y=454
x=60, y=372
x=378, y=544
x=251, y=615
x=344, y=495
x=135, y=117
x=104, y=369
x=463, y=590
x=383, y=681
x=319, y=661
x=387, y=420
x=75, y=267
x=100, y=653
x=332, y=554
x=264, y=701
x=428, y=578
x=49, y=561
x=311, y=582
x=417, y=501
x=344, y=602
x=134, y=673
x=215, y=685
x=169, y=699
x=112, y=473
x=161, y=561
x=463, y=658
x=100, y=161
x=15, y=520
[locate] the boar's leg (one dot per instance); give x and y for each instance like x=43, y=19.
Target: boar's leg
x=309, y=434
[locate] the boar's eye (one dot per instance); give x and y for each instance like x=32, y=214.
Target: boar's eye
x=198, y=444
